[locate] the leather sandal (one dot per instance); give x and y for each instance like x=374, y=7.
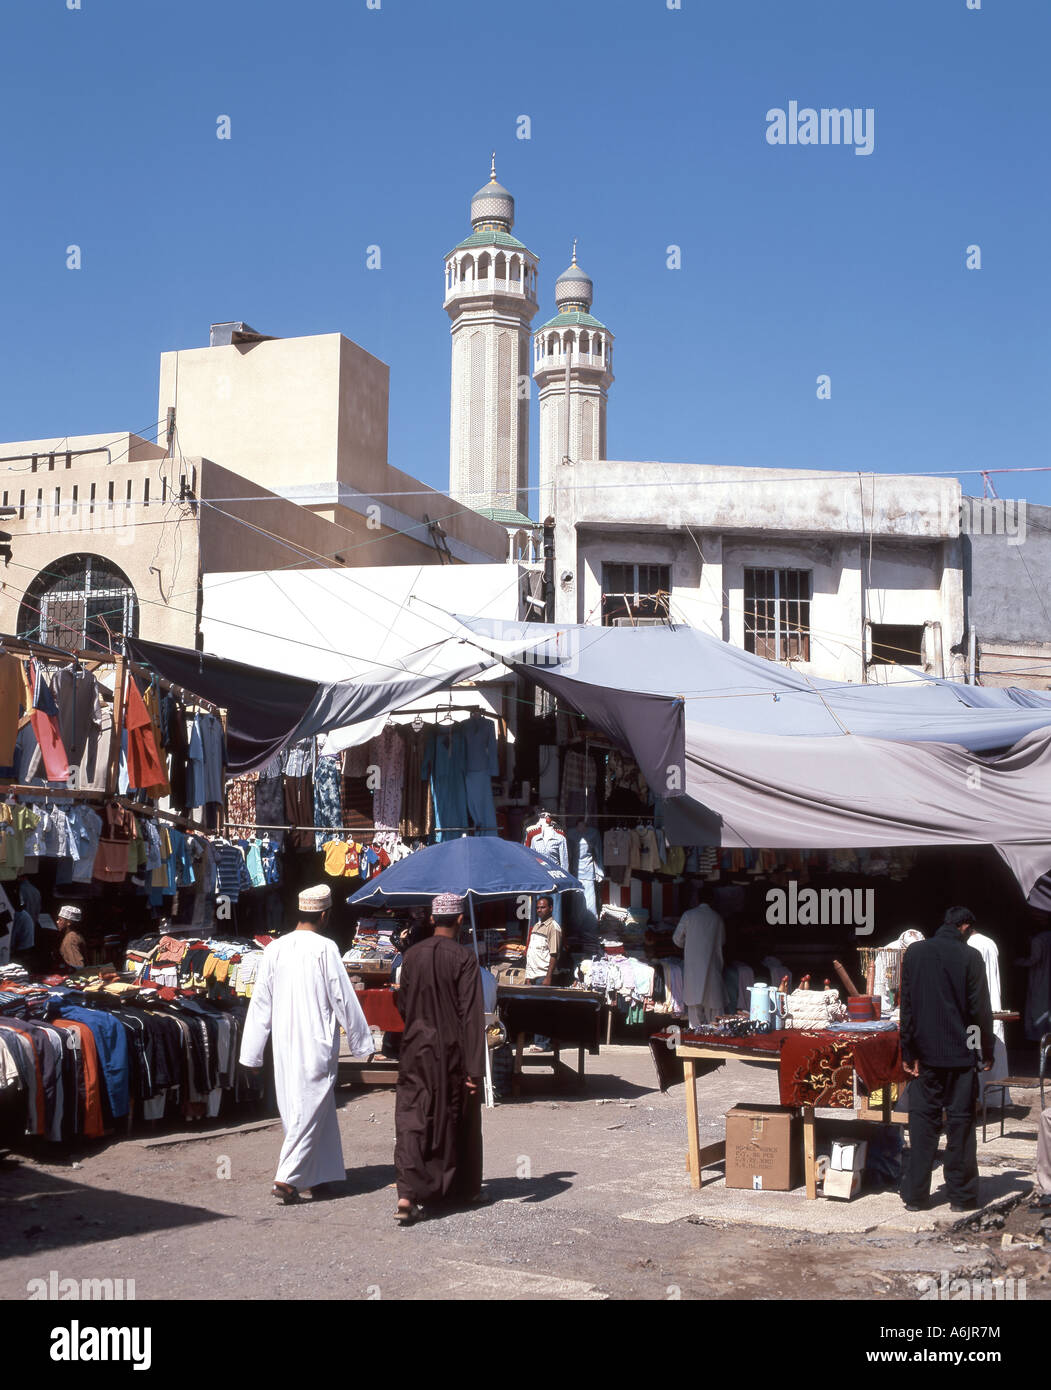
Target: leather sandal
x=285, y=1192
x=408, y=1216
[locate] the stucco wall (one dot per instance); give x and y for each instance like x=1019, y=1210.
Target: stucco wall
x=887, y=550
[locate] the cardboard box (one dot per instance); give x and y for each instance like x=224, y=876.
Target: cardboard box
x=764, y=1148
x=842, y=1183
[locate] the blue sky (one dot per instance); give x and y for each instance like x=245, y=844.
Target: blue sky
x=353, y=127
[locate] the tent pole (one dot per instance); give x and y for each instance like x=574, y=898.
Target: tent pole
x=489, y=1102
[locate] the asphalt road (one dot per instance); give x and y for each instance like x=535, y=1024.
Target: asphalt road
x=589, y=1200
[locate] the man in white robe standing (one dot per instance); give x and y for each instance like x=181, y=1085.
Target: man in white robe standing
x=987, y=949
x=702, y=934
x=302, y=998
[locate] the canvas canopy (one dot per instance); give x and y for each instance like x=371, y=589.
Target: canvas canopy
x=750, y=753
x=745, y=752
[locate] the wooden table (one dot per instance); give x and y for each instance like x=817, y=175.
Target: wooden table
x=698, y=1158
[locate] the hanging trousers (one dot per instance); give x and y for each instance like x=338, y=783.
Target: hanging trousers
x=953, y=1090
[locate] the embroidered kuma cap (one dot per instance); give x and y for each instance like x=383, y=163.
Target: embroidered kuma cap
x=69, y=914
x=315, y=899
x=447, y=905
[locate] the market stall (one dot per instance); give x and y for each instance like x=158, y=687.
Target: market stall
x=475, y=868
x=836, y=1068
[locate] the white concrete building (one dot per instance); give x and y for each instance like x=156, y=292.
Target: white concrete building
x=490, y=295
x=572, y=362
x=845, y=576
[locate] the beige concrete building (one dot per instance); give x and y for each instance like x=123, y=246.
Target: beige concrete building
x=112, y=532
x=275, y=457
x=306, y=418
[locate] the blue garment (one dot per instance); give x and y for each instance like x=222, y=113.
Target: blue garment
x=443, y=764
x=270, y=861
x=479, y=746
x=328, y=805
x=585, y=854
x=254, y=861
x=231, y=872
x=205, y=766
x=112, y=1048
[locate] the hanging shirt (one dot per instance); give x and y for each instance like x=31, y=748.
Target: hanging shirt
x=585, y=854
x=207, y=756
x=84, y=828
x=551, y=842
x=45, y=724
x=12, y=688
x=145, y=763
x=479, y=744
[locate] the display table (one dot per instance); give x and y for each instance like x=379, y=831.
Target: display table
x=815, y=1069
x=566, y=1016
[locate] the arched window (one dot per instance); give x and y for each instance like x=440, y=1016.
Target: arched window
x=585, y=343
x=500, y=266
x=484, y=264
x=467, y=268
x=73, y=602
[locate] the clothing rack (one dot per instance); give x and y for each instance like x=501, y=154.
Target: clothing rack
x=188, y=698
x=451, y=709
x=354, y=829
x=28, y=791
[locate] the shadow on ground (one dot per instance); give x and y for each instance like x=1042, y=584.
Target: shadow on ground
x=44, y=1212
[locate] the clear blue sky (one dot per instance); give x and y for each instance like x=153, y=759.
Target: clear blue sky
x=353, y=126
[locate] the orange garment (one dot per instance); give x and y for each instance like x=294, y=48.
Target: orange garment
x=12, y=689
x=93, y=1127
x=145, y=764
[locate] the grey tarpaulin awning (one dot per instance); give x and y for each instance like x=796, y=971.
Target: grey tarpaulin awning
x=267, y=709
x=751, y=753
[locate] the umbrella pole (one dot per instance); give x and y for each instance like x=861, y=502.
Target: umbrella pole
x=489, y=1102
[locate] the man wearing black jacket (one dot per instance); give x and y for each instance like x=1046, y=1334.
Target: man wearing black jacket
x=946, y=1025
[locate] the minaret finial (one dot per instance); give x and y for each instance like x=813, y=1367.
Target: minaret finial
x=492, y=169
x=574, y=251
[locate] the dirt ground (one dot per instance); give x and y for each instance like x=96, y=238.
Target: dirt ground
x=590, y=1200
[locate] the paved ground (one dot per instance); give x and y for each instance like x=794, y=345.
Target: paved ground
x=590, y=1201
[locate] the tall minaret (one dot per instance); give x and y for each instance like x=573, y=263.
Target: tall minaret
x=572, y=360
x=490, y=293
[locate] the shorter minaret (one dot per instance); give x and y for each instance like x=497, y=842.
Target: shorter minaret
x=572, y=367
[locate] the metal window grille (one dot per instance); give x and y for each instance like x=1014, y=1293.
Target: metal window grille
x=635, y=593
x=76, y=603
x=777, y=614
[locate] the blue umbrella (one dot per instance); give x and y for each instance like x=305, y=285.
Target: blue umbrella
x=473, y=866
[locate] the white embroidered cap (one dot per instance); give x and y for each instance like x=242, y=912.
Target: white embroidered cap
x=315, y=899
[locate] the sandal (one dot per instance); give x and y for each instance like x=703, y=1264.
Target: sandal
x=408, y=1216
x=285, y=1192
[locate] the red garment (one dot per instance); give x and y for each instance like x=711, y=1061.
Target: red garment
x=145, y=766
x=44, y=720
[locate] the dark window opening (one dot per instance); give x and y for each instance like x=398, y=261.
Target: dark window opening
x=897, y=644
x=633, y=594
x=777, y=614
